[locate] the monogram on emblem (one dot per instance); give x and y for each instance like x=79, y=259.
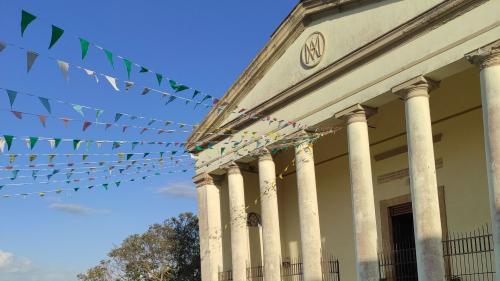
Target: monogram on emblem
x=313, y=50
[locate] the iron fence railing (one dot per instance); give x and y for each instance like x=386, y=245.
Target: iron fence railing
x=467, y=257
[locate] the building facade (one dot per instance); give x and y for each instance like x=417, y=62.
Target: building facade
x=362, y=143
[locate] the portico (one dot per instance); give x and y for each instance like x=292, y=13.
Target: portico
x=377, y=146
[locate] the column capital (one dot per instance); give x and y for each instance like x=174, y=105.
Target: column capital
x=264, y=154
x=203, y=179
x=485, y=56
x=233, y=168
x=355, y=113
x=418, y=86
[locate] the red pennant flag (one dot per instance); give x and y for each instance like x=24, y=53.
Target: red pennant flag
x=65, y=121
x=86, y=124
x=160, y=131
x=215, y=101
x=125, y=128
x=242, y=110
x=43, y=120
x=108, y=125
x=19, y=115
x=144, y=130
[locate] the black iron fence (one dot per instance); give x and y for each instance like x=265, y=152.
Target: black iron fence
x=291, y=270
x=467, y=256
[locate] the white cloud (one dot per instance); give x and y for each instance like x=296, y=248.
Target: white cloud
x=14, y=268
x=76, y=209
x=178, y=189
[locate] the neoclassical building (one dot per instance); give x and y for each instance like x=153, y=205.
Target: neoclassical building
x=362, y=143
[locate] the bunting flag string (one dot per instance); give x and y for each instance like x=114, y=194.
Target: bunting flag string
x=54, y=142
x=166, y=153
x=82, y=179
x=76, y=189
x=171, y=97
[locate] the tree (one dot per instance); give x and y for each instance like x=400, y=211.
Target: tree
x=165, y=252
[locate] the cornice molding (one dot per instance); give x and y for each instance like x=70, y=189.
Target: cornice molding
x=288, y=31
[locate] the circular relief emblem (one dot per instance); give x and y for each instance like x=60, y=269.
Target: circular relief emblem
x=313, y=50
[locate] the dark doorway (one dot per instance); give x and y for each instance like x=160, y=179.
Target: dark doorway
x=403, y=239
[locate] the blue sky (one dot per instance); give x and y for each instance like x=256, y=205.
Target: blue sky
x=204, y=44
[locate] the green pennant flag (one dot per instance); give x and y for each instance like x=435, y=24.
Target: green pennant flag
x=84, y=45
x=177, y=87
x=161, y=154
x=109, y=55
x=129, y=156
x=12, y=97
x=14, y=174
x=116, y=145
x=8, y=140
x=105, y=185
x=76, y=144
x=196, y=92
x=134, y=144
x=26, y=19
x=117, y=183
x=46, y=104
x=206, y=98
x=76, y=189
x=198, y=148
x=98, y=113
x=143, y=69
x=128, y=66
x=33, y=141
x=56, y=34
x=121, y=171
x=84, y=157
x=159, y=77
x=222, y=150
x=78, y=108
x=34, y=174
x=57, y=141
x=145, y=154
x=90, y=187
x=118, y=116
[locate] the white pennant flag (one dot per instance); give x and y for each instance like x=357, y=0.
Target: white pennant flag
x=98, y=144
x=28, y=144
x=128, y=85
x=112, y=81
x=91, y=73
x=64, y=67
x=52, y=143
x=2, y=144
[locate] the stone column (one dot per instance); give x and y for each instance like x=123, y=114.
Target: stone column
x=363, y=202
x=209, y=217
x=238, y=217
x=488, y=59
x=271, y=239
x=310, y=236
x=423, y=183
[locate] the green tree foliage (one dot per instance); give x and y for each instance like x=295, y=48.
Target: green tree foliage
x=165, y=252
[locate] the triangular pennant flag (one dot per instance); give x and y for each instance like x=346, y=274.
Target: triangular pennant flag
x=117, y=183
x=32, y=157
x=108, y=125
x=105, y=185
x=56, y=34
x=132, y=117
x=128, y=85
x=26, y=19
x=196, y=92
x=2, y=46
x=43, y=120
x=98, y=144
x=129, y=156
x=206, y=98
x=143, y=69
x=12, y=97
x=145, y=91
x=51, y=157
x=91, y=73
x=84, y=157
x=86, y=124
x=78, y=108
x=65, y=121
x=222, y=150
x=128, y=66
x=2, y=144
x=112, y=82
x=76, y=144
x=88, y=144
x=64, y=67
x=151, y=122
x=46, y=104
x=116, y=145
x=34, y=174
x=98, y=113
x=30, y=59
x=134, y=144
x=76, y=189
x=161, y=154
x=84, y=44
x=177, y=87
x=109, y=56
x=143, y=130
x=118, y=116
x=171, y=99
x=121, y=171
x=55, y=142
x=33, y=141
x=159, y=77
x=121, y=155
x=12, y=158
x=19, y=115
x=14, y=174
x=125, y=128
